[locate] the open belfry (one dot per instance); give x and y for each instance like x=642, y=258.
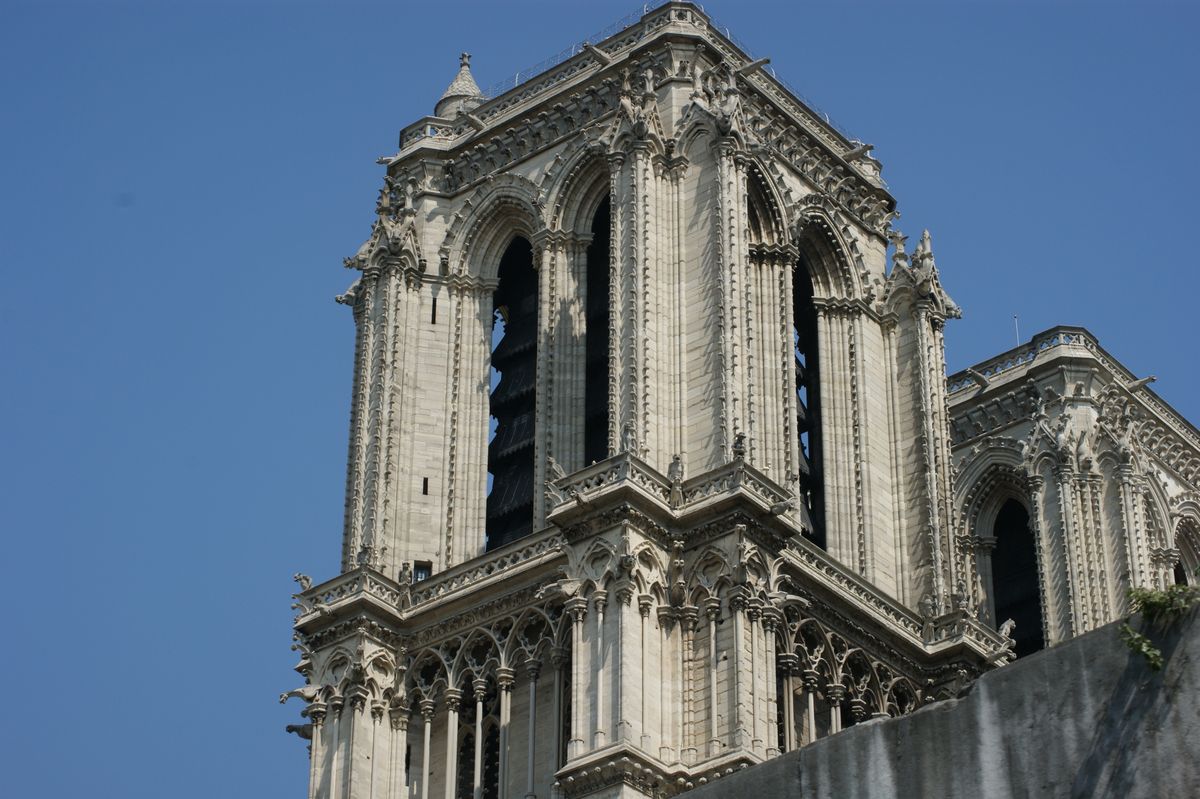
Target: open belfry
x=654, y=468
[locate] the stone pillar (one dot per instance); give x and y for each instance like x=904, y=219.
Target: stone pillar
x=480, y=687
x=770, y=618
x=712, y=610
x=1066, y=507
x=645, y=678
x=689, y=617
x=668, y=728
x=623, y=658
x=534, y=668
x=811, y=676
x=576, y=609
x=336, y=780
x=316, y=753
x=787, y=665
x=737, y=608
x=504, y=678
x=600, y=734
x=836, y=692
x=399, y=720
x=453, y=697
x=984, y=547
x=427, y=715
x=753, y=615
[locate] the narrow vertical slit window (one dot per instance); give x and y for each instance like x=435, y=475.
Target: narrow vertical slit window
x=433, y=312
x=595, y=415
x=808, y=398
x=514, y=371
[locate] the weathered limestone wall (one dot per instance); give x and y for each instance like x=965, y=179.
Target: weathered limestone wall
x=1085, y=718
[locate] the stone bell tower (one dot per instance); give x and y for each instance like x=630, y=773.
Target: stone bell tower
x=649, y=470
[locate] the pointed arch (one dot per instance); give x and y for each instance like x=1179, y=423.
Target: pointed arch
x=576, y=189
x=503, y=208
x=823, y=253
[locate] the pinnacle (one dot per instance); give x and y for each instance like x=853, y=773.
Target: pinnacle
x=464, y=84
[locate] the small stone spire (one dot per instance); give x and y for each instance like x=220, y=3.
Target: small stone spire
x=923, y=254
x=463, y=94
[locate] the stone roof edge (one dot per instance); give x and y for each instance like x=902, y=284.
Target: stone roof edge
x=807, y=117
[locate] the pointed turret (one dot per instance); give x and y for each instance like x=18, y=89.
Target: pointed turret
x=463, y=94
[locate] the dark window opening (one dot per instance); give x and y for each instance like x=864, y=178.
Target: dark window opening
x=1180, y=574
x=808, y=399
x=489, y=776
x=424, y=485
x=595, y=415
x=564, y=722
x=514, y=361
x=433, y=312
x=422, y=570
x=1015, y=578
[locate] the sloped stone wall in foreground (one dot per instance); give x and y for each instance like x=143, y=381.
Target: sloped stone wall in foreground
x=1086, y=718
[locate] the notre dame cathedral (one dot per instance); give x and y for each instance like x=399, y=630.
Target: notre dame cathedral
x=654, y=467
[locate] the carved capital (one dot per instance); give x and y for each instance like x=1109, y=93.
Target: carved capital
x=576, y=608
x=505, y=678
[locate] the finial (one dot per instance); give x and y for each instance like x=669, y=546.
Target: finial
x=464, y=60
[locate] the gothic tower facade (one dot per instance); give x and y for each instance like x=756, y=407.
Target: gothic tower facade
x=651, y=470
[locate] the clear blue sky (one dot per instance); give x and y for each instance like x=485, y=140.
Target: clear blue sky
x=180, y=181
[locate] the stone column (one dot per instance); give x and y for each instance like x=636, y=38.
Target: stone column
x=316, y=753
x=534, y=668
x=504, y=678
x=811, y=676
x=1066, y=508
x=688, y=618
x=712, y=610
x=787, y=665
x=480, y=686
x=644, y=678
x=427, y=715
x=622, y=662
x=667, y=727
x=576, y=609
x=737, y=608
x=770, y=618
x=336, y=704
x=835, y=692
x=399, y=719
x=600, y=734
x=983, y=562
x=756, y=740
x=453, y=697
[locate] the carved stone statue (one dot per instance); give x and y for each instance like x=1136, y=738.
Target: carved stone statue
x=1006, y=629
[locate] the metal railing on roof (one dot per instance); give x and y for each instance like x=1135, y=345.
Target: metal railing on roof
x=519, y=77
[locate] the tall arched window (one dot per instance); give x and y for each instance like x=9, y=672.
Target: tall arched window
x=595, y=416
x=1187, y=541
x=808, y=396
x=1015, y=577
x=514, y=365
